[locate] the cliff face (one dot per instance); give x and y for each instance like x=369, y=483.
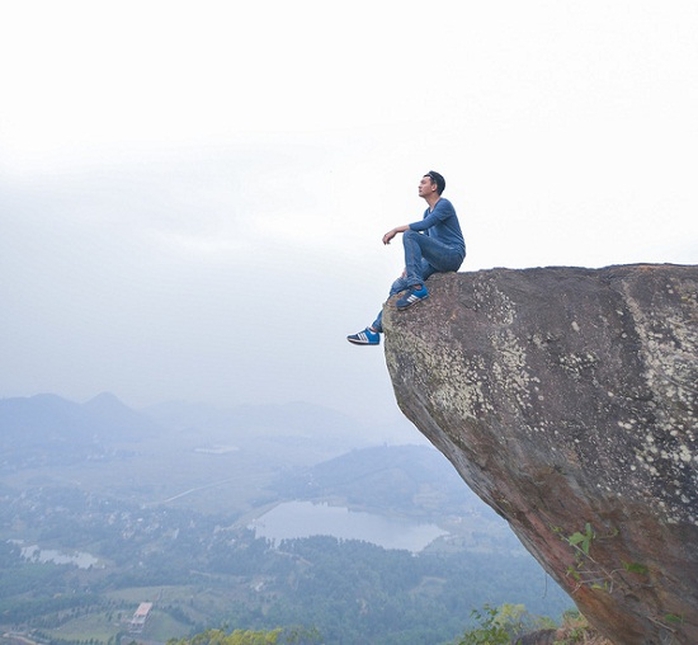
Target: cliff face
x=567, y=399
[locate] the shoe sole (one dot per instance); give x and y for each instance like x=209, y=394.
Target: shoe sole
x=360, y=342
x=407, y=305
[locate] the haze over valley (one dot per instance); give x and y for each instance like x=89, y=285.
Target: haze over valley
x=209, y=513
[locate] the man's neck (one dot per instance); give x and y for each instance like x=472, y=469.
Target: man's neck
x=431, y=200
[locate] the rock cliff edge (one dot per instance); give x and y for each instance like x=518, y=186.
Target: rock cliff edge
x=567, y=398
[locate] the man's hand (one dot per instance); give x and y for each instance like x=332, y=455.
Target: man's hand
x=389, y=236
x=392, y=233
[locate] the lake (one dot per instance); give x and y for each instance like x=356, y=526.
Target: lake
x=78, y=558
x=303, y=519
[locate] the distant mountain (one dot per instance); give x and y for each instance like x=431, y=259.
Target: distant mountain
x=26, y=420
x=49, y=420
x=117, y=421
x=186, y=452
x=411, y=479
x=303, y=421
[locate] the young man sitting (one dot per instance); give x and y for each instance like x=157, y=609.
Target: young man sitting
x=432, y=245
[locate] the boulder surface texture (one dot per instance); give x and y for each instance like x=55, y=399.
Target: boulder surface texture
x=567, y=399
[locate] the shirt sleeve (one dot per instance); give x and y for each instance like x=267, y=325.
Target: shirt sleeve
x=442, y=211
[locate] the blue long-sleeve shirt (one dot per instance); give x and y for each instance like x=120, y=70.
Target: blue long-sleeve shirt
x=442, y=224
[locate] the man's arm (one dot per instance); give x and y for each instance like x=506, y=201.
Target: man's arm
x=392, y=233
x=442, y=211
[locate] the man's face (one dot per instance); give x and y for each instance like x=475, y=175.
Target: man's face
x=426, y=186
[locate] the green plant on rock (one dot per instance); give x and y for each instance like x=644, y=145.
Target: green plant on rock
x=489, y=632
x=635, y=567
x=575, y=630
x=582, y=541
x=586, y=570
x=501, y=625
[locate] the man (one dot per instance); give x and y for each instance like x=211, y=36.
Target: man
x=431, y=245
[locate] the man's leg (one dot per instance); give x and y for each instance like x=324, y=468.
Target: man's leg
x=371, y=335
x=399, y=285
x=424, y=256
x=420, y=251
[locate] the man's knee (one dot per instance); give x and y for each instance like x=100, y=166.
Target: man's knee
x=412, y=242
x=409, y=234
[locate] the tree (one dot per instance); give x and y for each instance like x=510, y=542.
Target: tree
x=277, y=636
x=501, y=625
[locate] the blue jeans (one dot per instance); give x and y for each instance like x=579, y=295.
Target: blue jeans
x=423, y=257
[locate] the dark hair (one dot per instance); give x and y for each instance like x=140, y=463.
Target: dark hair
x=438, y=180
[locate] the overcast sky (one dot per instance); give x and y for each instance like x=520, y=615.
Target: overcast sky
x=192, y=195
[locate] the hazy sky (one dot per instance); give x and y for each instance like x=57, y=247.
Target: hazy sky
x=192, y=195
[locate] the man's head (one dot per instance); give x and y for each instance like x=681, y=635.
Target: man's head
x=437, y=180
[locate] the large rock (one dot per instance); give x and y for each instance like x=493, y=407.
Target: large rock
x=567, y=398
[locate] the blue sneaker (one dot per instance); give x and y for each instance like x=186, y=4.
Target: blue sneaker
x=412, y=296
x=365, y=337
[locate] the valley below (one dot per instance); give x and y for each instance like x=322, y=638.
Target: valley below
x=255, y=517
